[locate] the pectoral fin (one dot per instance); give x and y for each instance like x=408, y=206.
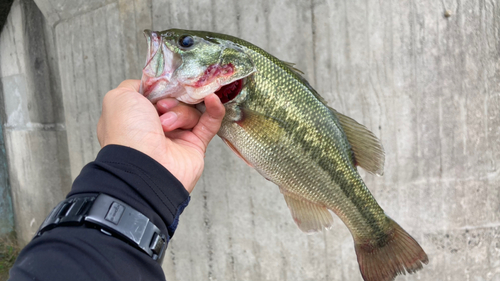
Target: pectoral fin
x=233, y=148
x=250, y=119
x=308, y=216
x=368, y=151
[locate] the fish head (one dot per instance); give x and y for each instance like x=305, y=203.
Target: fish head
x=190, y=65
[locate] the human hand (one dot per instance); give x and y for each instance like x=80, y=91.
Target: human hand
x=176, y=135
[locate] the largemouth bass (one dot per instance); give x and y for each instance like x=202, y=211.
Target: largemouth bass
x=279, y=125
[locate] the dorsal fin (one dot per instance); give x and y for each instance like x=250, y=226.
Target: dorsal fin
x=368, y=151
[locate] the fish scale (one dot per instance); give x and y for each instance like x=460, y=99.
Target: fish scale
x=288, y=90
x=280, y=126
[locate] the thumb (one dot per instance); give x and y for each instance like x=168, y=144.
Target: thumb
x=131, y=84
x=210, y=121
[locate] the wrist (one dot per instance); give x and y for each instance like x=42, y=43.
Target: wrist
x=136, y=179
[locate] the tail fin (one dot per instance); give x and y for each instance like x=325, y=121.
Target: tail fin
x=399, y=254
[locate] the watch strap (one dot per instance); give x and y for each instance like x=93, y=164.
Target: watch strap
x=113, y=217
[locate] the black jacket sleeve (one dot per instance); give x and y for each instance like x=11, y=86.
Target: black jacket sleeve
x=80, y=253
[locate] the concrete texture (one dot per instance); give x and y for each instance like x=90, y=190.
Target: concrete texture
x=4, y=11
x=426, y=84
x=35, y=139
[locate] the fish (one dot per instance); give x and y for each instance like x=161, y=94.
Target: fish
x=280, y=126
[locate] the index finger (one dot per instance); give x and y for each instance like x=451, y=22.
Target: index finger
x=132, y=84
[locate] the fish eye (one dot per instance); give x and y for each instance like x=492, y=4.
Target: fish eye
x=186, y=41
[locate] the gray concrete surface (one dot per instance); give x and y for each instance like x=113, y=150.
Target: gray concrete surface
x=426, y=84
x=35, y=138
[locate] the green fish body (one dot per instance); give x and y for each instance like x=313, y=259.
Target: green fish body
x=279, y=125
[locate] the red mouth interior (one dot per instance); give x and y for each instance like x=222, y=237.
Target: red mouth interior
x=229, y=91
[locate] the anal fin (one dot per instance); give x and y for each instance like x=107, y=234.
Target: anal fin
x=308, y=216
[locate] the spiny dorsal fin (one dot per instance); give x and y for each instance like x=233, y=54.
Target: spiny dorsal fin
x=308, y=216
x=368, y=151
x=291, y=65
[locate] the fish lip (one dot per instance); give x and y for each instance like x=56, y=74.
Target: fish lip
x=150, y=36
x=160, y=64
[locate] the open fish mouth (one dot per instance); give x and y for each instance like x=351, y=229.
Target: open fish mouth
x=176, y=69
x=159, y=68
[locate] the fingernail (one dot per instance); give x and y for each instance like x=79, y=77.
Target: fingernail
x=168, y=119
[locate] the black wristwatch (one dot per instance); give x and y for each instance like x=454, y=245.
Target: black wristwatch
x=112, y=217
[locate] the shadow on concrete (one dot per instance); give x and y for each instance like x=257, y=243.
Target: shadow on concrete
x=4, y=11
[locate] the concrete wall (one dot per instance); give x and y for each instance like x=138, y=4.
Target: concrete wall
x=6, y=211
x=426, y=84
x=35, y=137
